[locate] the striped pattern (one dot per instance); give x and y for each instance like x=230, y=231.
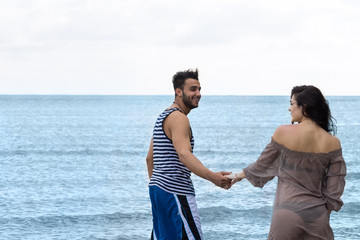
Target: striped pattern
x=169, y=173
x=191, y=227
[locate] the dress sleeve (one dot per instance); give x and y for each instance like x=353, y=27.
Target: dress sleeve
x=334, y=183
x=266, y=167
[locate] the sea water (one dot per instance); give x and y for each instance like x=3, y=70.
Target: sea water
x=73, y=167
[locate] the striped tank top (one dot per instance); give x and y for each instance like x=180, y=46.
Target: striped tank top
x=169, y=173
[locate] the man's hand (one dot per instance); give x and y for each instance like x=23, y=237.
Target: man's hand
x=220, y=180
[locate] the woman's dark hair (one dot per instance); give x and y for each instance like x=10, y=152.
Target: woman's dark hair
x=314, y=106
x=180, y=77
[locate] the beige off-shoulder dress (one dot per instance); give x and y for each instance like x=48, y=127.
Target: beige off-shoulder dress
x=309, y=184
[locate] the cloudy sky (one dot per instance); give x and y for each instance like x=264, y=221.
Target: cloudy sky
x=241, y=47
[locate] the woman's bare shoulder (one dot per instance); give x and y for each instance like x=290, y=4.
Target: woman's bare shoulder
x=284, y=132
x=297, y=138
x=333, y=142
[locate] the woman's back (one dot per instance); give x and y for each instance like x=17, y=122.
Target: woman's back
x=306, y=137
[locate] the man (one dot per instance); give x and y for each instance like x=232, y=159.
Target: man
x=170, y=162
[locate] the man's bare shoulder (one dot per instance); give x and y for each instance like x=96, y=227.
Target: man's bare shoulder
x=177, y=115
x=176, y=119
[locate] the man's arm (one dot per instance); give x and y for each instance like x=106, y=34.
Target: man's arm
x=178, y=127
x=150, y=159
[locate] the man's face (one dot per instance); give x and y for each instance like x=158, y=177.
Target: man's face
x=191, y=93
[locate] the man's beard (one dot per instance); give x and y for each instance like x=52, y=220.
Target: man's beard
x=187, y=101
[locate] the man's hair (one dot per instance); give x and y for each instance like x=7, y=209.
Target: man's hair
x=180, y=77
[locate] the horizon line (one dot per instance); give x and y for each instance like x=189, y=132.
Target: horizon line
x=89, y=94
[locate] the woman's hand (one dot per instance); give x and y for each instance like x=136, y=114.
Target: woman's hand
x=236, y=177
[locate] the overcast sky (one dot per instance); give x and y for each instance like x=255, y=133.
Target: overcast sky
x=241, y=47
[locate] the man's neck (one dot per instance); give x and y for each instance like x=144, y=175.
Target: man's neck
x=181, y=106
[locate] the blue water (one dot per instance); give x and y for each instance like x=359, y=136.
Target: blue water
x=73, y=167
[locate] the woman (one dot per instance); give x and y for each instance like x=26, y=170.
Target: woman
x=310, y=168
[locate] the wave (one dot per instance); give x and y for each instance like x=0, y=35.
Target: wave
x=64, y=220
x=351, y=208
x=228, y=152
x=118, y=226
x=86, y=152
x=224, y=212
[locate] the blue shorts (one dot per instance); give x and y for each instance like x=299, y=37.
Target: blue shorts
x=174, y=216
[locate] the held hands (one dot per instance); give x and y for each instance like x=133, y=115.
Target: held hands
x=227, y=179
x=235, y=177
x=220, y=179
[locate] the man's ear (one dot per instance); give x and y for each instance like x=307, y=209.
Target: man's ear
x=178, y=92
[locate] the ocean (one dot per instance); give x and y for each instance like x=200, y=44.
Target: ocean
x=73, y=167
